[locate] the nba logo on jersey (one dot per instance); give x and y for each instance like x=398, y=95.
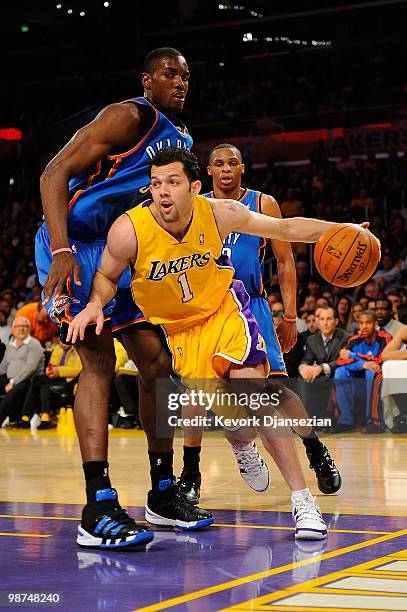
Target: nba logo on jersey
x=201, y=238
x=180, y=351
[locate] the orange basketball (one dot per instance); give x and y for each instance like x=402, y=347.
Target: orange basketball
x=346, y=256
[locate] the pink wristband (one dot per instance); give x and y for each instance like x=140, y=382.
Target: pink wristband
x=63, y=250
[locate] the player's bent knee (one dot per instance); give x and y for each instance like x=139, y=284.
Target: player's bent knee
x=98, y=362
x=151, y=369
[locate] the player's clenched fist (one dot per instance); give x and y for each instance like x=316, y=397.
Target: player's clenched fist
x=91, y=315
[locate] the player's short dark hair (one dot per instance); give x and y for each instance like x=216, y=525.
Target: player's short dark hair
x=225, y=145
x=153, y=59
x=188, y=159
x=370, y=313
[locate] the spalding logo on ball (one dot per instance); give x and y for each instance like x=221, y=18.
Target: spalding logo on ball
x=346, y=256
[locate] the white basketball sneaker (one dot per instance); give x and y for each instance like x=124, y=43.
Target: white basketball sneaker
x=253, y=468
x=309, y=524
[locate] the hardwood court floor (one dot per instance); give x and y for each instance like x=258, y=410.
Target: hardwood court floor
x=248, y=561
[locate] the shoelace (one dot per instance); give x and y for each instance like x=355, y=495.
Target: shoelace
x=306, y=509
x=121, y=517
x=323, y=462
x=250, y=460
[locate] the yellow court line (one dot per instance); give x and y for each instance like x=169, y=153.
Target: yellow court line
x=377, y=574
x=338, y=591
x=233, y=525
x=25, y=535
x=261, y=603
x=65, y=503
x=266, y=574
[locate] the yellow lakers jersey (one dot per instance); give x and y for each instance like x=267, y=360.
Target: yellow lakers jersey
x=179, y=283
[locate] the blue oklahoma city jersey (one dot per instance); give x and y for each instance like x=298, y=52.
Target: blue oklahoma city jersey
x=97, y=198
x=120, y=181
x=247, y=255
x=245, y=250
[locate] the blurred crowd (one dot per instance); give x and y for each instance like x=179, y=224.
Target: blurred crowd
x=346, y=189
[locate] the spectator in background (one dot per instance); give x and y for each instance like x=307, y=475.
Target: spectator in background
x=372, y=290
x=309, y=303
x=344, y=308
x=319, y=362
x=322, y=301
x=5, y=329
x=358, y=376
x=42, y=328
x=383, y=310
x=394, y=353
x=292, y=206
x=45, y=390
x=399, y=235
x=357, y=310
x=328, y=295
x=389, y=276
x=322, y=348
x=277, y=312
x=303, y=277
x=395, y=298
x=312, y=324
x=314, y=286
x=363, y=202
x=23, y=359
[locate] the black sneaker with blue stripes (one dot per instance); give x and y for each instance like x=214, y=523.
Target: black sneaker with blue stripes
x=105, y=524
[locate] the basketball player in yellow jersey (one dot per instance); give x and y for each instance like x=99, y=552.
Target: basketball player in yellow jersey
x=181, y=282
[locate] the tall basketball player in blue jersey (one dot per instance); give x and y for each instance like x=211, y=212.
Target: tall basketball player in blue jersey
x=100, y=173
x=247, y=254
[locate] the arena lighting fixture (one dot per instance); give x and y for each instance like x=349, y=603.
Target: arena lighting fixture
x=248, y=37
x=106, y=4
x=69, y=11
x=59, y=6
x=11, y=182
x=82, y=13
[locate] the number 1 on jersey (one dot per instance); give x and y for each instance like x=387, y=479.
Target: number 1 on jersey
x=187, y=294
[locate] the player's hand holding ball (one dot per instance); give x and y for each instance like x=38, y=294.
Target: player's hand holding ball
x=347, y=255
x=91, y=315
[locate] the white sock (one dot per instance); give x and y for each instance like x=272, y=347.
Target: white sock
x=302, y=494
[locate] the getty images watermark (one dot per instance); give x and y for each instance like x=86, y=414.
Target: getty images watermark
x=234, y=410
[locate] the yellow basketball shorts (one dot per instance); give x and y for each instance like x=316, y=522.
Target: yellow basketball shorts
x=230, y=336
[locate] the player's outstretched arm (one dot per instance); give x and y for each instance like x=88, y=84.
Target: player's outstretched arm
x=120, y=250
x=116, y=126
x=393, y=350
x=234, y=216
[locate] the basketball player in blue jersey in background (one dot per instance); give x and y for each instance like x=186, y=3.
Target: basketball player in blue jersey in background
x=247, y=254
x=99, y=174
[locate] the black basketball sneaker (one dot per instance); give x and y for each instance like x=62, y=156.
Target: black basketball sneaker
x=168, y=507
x=105, y=524
x=328, y=476
x=190, y=486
